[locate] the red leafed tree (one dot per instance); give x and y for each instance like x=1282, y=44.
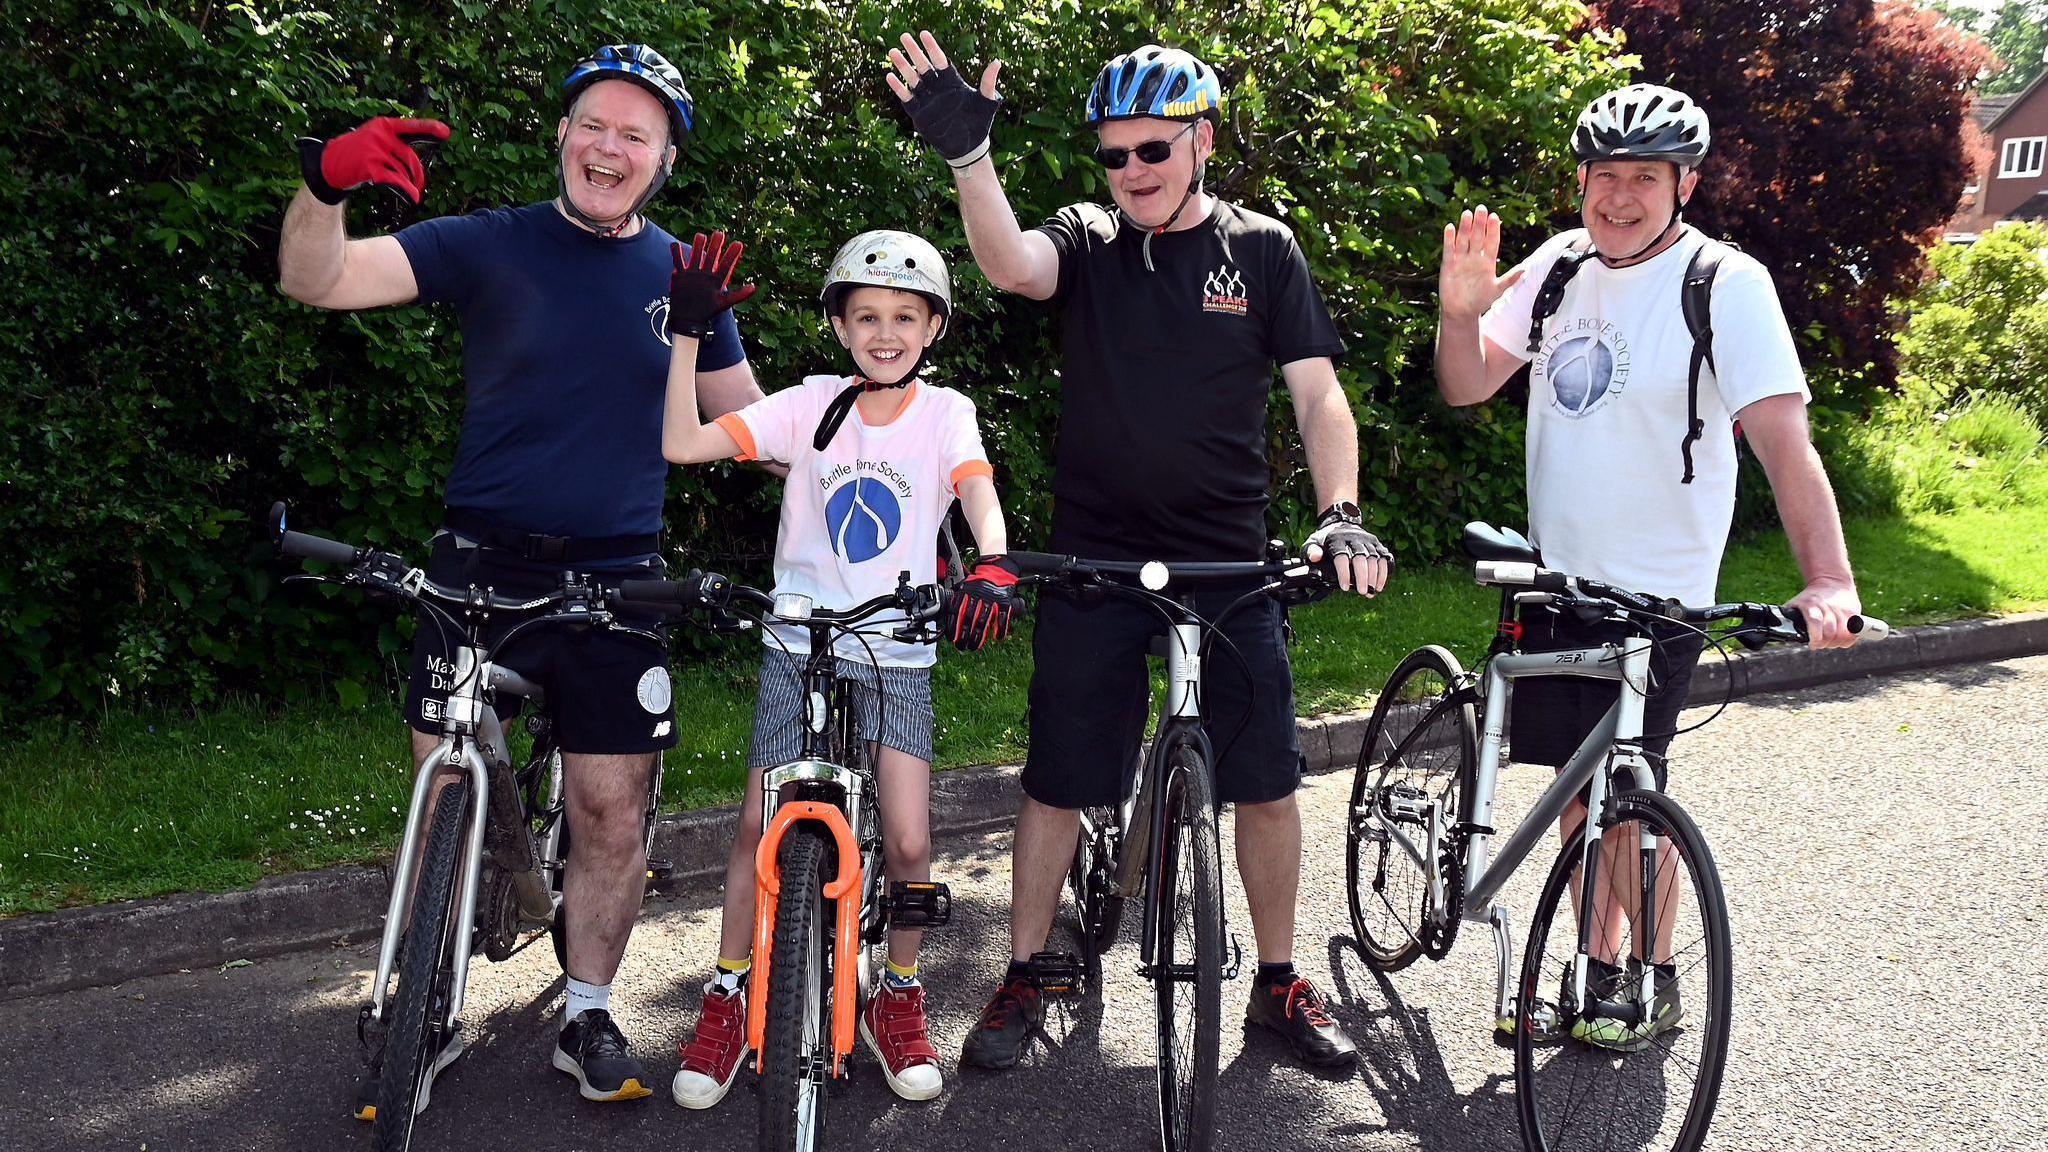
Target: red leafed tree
x=1841, y=145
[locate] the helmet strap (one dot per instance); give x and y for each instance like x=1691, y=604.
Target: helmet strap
x=606, y=231
x=1677, y=218
x=842, y=404
x=1194, y=185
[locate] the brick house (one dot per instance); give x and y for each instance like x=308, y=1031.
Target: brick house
x=2015, y=185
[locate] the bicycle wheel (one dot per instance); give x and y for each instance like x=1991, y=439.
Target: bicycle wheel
x=1421, y=751
x=798, y=1040
x=423, y=974
x=1187, y=955
x=1092, y=881
x=1615, y=1073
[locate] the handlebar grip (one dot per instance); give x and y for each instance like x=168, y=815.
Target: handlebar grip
x=657, y=592
x=1869, y=627
x=1037, y=563
x=317, y=548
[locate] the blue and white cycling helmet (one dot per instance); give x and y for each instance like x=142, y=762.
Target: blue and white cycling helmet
x=643, y=66
x=1164, y=83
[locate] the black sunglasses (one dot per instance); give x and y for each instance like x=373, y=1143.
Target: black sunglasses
x=1151, y=151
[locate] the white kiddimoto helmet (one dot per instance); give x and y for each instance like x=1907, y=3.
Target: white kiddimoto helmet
x=1642, y=122
x=886, y=258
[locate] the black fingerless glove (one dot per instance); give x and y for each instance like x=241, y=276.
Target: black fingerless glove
x=952, y=116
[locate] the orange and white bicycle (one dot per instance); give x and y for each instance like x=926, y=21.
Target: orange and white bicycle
x=823, y=905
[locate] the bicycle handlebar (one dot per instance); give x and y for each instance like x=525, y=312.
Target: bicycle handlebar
x=1775, y=621
x=1153, y=575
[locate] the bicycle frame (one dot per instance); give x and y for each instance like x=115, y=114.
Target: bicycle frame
x=1611, y=743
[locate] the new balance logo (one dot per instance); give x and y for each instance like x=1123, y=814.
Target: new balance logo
x=1223, y=291
x=660, y=730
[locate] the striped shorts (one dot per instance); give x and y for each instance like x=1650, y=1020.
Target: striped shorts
x=898, y=715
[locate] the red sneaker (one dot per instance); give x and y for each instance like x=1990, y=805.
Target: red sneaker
x=712, y=1057
x=894, y=1026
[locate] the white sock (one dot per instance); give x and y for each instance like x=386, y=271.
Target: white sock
x=583, y=997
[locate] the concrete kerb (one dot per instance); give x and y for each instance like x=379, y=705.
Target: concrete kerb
x=87, y=947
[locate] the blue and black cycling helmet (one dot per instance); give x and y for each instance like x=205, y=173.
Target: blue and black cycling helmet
x=643, y=66
x=1164, y=83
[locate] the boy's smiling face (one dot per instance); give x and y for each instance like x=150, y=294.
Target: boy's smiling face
x=885, y=329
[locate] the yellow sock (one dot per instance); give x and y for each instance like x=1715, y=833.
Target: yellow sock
x=735, y=966
x=901, y=974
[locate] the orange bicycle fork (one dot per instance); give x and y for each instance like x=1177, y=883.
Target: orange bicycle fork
x=844, y=890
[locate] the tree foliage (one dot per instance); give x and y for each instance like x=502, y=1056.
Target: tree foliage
x=1839, y=149
x=161, y=391
x=2017, y=32
x=1981, y=323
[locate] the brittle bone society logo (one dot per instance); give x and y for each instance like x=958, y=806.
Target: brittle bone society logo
x=657, y=315
x=1587, y=363
x=1223, y=291
x=864, y=513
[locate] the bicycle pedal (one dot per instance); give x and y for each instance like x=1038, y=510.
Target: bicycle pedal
x=917, y=904
x=660, y=874
x=1057, y=973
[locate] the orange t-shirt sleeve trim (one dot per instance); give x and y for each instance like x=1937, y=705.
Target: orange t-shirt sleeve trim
x=737, y=429
x=971, y=468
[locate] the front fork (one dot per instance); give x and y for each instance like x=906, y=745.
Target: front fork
x=454, y=755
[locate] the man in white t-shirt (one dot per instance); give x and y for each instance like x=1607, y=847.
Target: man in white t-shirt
x=1618, y=490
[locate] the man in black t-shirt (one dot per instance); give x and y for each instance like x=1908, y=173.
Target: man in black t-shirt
x=1175, y=306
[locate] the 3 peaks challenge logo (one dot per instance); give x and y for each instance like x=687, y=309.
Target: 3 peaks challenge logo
x=1223, y=291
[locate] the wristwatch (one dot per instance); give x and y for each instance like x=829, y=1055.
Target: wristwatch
x=1342, y=512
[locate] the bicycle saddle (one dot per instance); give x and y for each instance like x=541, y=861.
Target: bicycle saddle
x=1483, y=541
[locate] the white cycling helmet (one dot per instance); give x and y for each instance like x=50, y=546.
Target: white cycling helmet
x=1642, y=122
x=886, y=258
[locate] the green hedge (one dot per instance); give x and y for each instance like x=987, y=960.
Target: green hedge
x=161, y=392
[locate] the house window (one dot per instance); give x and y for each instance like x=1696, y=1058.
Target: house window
x=2021, y=156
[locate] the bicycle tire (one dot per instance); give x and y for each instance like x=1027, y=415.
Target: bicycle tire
x=1558, y=1076
x=422, y=973
x=1091, y=880
x=1422, y=746
x=1189, y=880
x=558, y=928
x=799, y=1000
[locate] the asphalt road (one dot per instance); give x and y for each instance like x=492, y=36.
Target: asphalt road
x=1882, y=843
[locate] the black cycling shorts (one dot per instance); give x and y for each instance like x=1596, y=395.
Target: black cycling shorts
x=608, y=692
x=1549, y=716
x=1090, y=694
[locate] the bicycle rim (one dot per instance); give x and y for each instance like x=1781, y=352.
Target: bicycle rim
x=1577, y=1089
x=1188, y=957
x=1419, y=749
x=423, y=975
x=798, y=1029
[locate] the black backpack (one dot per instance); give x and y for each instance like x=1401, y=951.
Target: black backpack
x=1694, y=299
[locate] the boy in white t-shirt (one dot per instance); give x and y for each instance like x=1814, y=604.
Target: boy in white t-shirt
x=875, y=462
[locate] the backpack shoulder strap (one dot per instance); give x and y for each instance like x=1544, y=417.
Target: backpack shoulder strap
x=1695, y=298
x=1551, y=294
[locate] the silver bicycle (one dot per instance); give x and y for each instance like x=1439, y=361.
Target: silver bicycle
x=484, y=872
x=1620, y=1018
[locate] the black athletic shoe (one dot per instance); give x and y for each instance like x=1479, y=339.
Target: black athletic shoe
x=1295, y=1010
x=998, y=1039
x=372, y=1082
x=592, y=1050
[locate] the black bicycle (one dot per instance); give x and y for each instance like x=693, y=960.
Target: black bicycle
x=485, y=845
x=1160, y=844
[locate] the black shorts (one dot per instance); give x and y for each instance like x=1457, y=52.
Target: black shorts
x=1550, y=715
x=608, y=692
x=1090, y=694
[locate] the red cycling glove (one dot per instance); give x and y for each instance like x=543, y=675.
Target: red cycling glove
x=378, y=154
x=985, y=604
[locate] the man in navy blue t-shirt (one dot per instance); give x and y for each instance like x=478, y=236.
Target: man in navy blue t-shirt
x=563, y=310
